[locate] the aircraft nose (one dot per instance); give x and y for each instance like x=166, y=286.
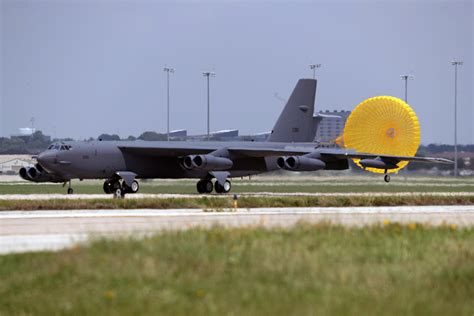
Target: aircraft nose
x=46, y=159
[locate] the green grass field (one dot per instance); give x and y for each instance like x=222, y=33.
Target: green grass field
x=305, y=184
x=306, y=270
x=220, y=203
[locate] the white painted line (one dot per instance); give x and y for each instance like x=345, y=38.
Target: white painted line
x=230, y=212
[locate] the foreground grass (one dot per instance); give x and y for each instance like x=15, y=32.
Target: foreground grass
x=227, y=202
x=323, y=269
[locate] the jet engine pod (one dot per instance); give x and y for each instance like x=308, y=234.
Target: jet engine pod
x=24, y=174
x=207, y=162
x=36, y=174
x=188, y=162
x=382, y=125
x=281, y=162
x=303, y=163
x=211, y=163
x=33, y=173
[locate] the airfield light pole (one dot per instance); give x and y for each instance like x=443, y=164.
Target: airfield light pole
x=313, y=68
x=168, y=71
x=406, y=78
x=456, y=63
x=208, y=75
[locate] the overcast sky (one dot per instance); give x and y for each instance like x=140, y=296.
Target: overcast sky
x=82, y=68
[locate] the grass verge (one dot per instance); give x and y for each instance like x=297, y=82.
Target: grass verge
x=308, y=269
x=243, y=202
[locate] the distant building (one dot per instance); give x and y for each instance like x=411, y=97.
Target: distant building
x=224, y=135
x=11, y=164
x=26, y=131
x=179, y=133
x=331, y=128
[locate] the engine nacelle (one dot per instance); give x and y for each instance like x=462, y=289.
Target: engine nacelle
x=24, y=174
x=300, y=163
x=207, y=162
x=37, y=174
x=377, y=163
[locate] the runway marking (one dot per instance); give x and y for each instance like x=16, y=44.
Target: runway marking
x=231, y=212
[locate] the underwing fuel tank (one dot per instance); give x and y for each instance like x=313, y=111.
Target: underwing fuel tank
x=377, y=163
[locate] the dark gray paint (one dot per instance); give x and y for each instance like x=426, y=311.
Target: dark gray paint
x=141, y=159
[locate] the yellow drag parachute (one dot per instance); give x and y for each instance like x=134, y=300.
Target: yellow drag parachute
x=382, y=125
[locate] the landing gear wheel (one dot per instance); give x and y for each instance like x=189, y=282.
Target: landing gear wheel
x=227, y=186
x=132, y=189
x=222, y=188
x=70, y=191
x=200, y=187
x=204, y=186
x=135, y=187
x=208, y=187
x=386, y=178
x=218, y=187
x=108, y=187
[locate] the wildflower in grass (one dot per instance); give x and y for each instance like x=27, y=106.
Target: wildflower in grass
x=200, y=293
x=110, y=295
x=412, y=226
x=386, y=222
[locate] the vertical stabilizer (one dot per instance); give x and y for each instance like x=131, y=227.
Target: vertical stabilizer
x=295, y=123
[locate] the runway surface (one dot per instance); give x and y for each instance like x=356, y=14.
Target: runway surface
x=22, y=231
x=259, y=194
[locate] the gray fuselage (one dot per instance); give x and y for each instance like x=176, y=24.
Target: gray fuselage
x=102, y=159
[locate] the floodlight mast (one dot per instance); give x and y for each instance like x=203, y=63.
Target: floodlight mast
x=208, y=74
x=456, y=63
x=406, y=78
x=168, y=70
x=313, y=68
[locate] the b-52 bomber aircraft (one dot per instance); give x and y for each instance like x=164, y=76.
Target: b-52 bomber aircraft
x=290, y=146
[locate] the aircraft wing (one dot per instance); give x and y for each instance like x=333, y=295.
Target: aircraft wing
x=175, y=149
x=351, y=154
x=179, y=150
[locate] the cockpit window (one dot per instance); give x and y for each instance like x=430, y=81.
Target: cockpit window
x=59, y=147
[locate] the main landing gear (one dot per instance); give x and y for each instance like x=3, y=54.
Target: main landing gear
x=206, y=186
x=119, y=189
x=69, y=187
x=386, y=177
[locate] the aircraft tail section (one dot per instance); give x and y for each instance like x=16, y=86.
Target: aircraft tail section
x=296, y=123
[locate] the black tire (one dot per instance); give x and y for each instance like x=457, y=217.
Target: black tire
x=208, y=187
x=107, y=187
x=70, y=191
x=135, y=187
x=218, y=187
x=115, y=184
x=386, y=178
x=200, y=187
x=227, y=186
